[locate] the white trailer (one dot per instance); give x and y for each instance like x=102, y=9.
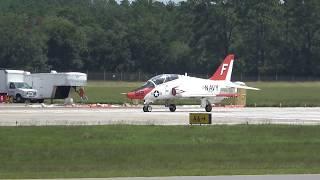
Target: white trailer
x=12, y=83
x=55, y=85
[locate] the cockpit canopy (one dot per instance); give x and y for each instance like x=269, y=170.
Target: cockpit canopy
x=160, y=79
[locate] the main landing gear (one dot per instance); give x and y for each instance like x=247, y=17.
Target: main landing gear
x=172, y=107
x=208, y=107
x=206, y=104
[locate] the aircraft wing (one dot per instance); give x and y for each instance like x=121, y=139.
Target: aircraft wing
x=234, y=85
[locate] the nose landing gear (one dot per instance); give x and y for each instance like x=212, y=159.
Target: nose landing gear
x=147, y=108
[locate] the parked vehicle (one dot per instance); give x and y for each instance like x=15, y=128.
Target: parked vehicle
x=12, y=82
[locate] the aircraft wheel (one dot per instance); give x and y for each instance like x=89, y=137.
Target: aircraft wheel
x=147, y=108
x=172, y=107
x=208, y=108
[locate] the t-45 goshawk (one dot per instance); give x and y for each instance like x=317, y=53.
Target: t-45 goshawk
x=169, y=87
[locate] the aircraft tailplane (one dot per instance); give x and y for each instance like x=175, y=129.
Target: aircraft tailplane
x=225, y=69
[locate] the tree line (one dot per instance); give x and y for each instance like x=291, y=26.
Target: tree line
x=267, y=37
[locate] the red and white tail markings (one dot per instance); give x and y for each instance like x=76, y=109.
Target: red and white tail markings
x=225, y=69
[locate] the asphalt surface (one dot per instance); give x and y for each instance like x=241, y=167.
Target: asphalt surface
x=44, y=115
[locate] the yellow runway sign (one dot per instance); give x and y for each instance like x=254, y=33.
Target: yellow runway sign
x=200, y=118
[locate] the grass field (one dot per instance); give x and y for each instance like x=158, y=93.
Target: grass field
x=284, y=93
x=272, y=93
x=109, y=151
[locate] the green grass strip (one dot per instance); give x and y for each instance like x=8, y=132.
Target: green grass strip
x=285, y=94
x=113, y=151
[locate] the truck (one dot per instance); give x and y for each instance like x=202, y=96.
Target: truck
x=13, y=84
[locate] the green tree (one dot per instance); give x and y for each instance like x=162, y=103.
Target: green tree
x=107, y=50
x=21, y=46
x=65, y=43
x=268, y=37
x=259, y=35
x=302, y=36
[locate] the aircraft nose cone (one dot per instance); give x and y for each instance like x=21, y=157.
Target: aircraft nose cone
x=131, y=95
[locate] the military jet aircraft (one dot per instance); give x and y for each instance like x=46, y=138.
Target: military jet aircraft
x=169, y=87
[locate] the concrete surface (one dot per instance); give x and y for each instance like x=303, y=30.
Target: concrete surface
x=37, y=115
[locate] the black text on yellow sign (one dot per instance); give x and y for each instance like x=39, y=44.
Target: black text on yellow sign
x=199, y=118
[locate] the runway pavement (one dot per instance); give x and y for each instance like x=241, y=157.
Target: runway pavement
x=37, y=115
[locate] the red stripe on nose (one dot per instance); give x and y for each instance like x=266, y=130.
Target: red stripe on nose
x=131, y=95
x=139, y=94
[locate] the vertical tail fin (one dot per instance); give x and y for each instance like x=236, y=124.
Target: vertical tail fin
x=225, y=69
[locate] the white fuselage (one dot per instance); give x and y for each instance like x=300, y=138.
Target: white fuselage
x=188, y=87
